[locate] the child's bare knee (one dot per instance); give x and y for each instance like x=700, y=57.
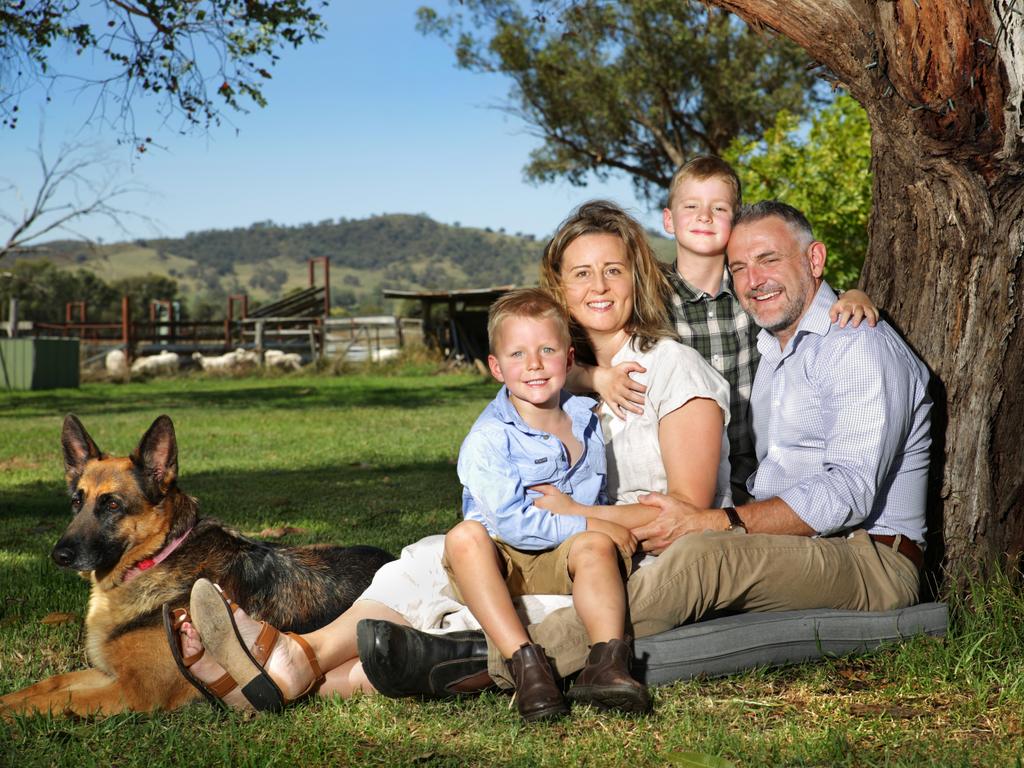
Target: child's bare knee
x=467, y=535
x=594, y=546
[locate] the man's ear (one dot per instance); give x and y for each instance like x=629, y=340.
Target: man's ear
x=667, y=222
x=817, y=254
x=492, y=363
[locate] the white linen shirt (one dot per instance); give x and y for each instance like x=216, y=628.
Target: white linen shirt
x=841, y=422
x=675, y=375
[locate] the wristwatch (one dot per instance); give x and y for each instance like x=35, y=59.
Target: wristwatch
x=734, y=519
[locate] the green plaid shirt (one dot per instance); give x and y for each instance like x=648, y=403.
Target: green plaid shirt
x=726, y=336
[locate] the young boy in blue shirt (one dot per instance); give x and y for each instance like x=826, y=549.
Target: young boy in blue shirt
x=534, y=433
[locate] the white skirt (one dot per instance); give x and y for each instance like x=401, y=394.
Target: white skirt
x=416, y=586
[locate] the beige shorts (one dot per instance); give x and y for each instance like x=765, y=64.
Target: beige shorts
x=533, y=573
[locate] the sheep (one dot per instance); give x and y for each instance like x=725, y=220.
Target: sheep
x=229, y=361
x=116, y=362
x=165, y=362
x=288, y=361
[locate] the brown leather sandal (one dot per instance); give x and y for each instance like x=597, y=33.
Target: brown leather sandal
x=215, y=691
x=213, y=616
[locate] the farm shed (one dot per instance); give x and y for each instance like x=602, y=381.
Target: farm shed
x=462, y=333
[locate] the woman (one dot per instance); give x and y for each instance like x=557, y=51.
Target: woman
x=601, y=267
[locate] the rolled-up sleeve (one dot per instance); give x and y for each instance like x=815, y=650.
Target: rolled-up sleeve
x=865, y=408
x=495, y=495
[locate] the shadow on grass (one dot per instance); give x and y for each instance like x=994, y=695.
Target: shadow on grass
x=384, y=506
x=268, y=394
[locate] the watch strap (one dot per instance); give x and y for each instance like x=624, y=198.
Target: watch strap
x=735, y=521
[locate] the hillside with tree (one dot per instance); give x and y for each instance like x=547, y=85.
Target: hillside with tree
x=267, y=261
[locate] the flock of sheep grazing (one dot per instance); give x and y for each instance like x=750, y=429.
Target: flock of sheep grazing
x=168, y=362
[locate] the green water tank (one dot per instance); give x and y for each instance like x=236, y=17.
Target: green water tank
x=38, y=363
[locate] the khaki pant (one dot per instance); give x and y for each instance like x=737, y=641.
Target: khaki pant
x=735, y=571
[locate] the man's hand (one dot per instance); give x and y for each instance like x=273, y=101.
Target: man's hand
x=618, y=389
x=554, y=501
x=675, y=518
x=623, y=537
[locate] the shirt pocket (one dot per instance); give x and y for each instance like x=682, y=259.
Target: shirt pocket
x=543, y=470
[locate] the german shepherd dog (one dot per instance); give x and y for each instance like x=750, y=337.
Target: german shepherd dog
x=141, y=543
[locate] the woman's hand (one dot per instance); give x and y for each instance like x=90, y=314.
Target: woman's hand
x=853, y=307
x=554, y=501
x=623, y=537
x=617, y=388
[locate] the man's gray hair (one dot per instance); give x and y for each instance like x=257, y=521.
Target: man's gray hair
x=765, y=209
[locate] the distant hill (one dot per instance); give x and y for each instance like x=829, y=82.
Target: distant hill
x=267, y=260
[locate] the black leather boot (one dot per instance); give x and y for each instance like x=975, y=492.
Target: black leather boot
x=401, y=661
x=537, y=693
x=606, y=682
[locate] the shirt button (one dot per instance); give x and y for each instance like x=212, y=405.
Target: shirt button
x=544, y=437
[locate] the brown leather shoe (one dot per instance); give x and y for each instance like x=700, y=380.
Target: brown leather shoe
x=606, y=683
x=537, y=693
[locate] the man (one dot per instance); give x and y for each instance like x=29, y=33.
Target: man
x=841, y=420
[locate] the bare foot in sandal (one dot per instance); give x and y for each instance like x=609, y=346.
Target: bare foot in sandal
x=272, y=669
x=206, y=669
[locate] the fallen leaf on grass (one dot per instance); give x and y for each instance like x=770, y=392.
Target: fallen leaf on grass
x=58, y=618
x=280, y=532
x=894, y=711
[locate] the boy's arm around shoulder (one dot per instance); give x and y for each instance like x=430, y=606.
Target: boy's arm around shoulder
x=498, y=496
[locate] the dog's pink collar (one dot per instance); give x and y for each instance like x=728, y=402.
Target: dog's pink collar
x=149, y=562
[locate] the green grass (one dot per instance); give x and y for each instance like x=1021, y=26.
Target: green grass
x=370, y=459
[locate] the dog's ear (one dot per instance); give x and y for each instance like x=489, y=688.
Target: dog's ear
x=157, y=457
x=79, y=448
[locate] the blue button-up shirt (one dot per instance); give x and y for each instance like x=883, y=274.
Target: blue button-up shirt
x=502, y=456
x=841, y=425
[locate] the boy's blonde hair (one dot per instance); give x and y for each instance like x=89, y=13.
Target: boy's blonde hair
x=651, y=289
x=705, y=167
x=535, y=303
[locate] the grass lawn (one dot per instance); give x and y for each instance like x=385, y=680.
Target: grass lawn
x=370, y=459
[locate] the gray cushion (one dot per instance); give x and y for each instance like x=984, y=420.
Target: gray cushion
x=734, y=643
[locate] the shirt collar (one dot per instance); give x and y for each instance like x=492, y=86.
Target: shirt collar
x=691, y=294
x=816, y=320
x=579, y=408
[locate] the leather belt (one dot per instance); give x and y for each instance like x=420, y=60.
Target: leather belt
x=907, y=548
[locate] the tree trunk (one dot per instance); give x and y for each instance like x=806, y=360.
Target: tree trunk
x=942, y=85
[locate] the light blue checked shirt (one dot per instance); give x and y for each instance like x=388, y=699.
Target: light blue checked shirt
x=502, y=456
x=841, y=426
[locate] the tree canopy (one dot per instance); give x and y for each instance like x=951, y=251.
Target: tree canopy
x=634, y=86
x=823, y=171
x=197, y=55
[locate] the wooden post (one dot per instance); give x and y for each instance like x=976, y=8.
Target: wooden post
x=126, y=329
x=12, y=321
x=259, y=340
x=327, y=280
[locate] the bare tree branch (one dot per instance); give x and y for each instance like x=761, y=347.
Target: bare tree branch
x=79, y=184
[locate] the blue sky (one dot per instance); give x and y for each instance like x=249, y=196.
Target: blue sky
x=373, y=119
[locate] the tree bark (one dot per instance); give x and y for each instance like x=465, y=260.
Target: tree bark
x=943, y=86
